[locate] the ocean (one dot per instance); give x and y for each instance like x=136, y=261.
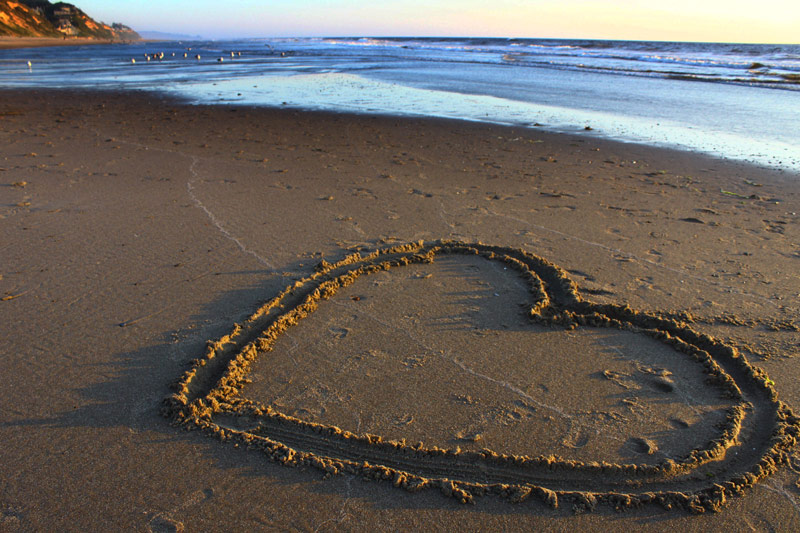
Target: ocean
x=737, y=101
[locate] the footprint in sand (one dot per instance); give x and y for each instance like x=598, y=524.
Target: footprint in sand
x=576, y=437
x=643, y=446
x=162, y=524
x=662, y=384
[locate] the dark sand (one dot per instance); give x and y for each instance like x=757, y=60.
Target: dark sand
x=134, y=229
x=39, y=42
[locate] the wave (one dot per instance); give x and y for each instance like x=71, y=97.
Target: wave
x=708, y=55
x=762, y=65
x=729, y=63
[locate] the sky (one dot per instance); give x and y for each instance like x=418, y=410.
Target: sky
x=761, y=21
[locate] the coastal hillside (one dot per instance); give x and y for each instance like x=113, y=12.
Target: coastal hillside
x=40, y=18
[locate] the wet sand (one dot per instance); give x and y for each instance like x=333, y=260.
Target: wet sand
x=137, y=231
x=38, y=42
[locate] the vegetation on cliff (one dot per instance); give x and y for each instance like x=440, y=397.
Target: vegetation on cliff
x=40, y=18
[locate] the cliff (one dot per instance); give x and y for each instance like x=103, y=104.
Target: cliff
x=40, y=18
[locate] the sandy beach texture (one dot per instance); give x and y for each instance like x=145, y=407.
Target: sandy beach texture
x=307, y=292
x=38, y=42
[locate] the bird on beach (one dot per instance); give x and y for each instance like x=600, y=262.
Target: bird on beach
x=133, y=60
x=197, y=57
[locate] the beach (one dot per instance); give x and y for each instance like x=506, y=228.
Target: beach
x=138, y=230
x=8, y=43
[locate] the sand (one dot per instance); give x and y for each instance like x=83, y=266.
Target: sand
x=137, y=233
x=38, y=42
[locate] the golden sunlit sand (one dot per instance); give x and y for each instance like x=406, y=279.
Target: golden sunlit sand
x=626, y=339
x=701, y=479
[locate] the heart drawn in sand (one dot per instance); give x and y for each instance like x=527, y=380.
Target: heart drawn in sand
x=753, y=441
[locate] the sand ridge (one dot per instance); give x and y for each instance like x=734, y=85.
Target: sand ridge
x=208, y=397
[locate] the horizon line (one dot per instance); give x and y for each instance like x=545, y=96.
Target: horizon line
x=603, y=39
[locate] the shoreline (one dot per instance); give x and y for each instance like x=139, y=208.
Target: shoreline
x=770, y=150
x=776, y=174
x=11, y=43
x=138, y=227
x=755, y=128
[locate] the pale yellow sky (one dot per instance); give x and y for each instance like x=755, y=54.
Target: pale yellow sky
x=766, y=21
x=694, y=20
